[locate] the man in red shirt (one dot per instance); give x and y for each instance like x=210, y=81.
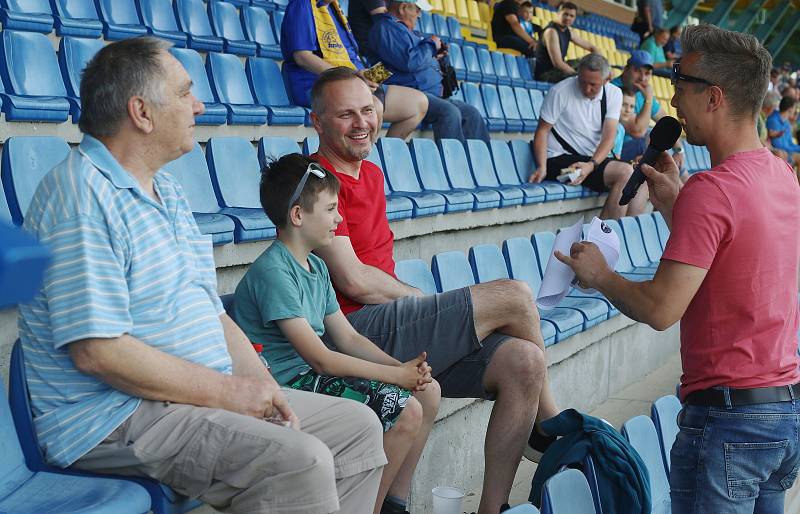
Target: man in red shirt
x=729, y=274
x=483, y=341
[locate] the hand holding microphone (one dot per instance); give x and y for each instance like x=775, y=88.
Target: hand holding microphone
x=662, y=138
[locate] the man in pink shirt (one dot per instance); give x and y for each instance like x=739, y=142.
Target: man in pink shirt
x=729, y=274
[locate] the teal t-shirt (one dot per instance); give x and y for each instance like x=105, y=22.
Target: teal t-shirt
x=276, y=287
x=618, y=142
x=639, y=104
x=650, y=46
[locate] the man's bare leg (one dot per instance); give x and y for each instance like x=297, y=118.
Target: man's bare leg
x=396, y=444
x=615, y=176
x=404, y=108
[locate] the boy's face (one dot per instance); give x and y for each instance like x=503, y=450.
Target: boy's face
x=628, y=105
x=526, y=13
x=320, y=223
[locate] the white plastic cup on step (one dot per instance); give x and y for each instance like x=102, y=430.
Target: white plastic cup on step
x=447, y=500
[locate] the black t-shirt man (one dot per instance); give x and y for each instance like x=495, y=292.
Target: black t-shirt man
x=502, y=32
x=359, y=14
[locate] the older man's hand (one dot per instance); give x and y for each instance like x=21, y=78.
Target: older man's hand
x=587, y=262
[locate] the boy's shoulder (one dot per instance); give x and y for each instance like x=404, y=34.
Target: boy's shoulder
x=272, y=259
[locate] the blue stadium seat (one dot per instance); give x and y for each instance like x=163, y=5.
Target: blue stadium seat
x=26, y=160
x=451, y=270
x=23, y=263
x=236, y=174
x=635, y=243
x=456, y=166
x=454, y=29
x=440, y=27
x=425, y=23
x=280, y=6
x=523, y=159
x=397, y=206
x=416, y=273
x=525, y=508
x=310, y=145
x=511, y=112
x=191, y=171
x=5, y=212
x=29, y=15
x=482, y=169
x=269, y=90
x=567, y=492
x=428, y=166
x=624, y=265
x=159, y=18
x=226, y=24
x=529, y=119
x=399, y=171
x=641, y=433
x=193, y=20
x=500, y=69
x=537, y=99
x=652, y=244
x=524, y=69
x=507, y=175
x=76, y=18
x=120, y=19
x=228, y=78
x=258, y=28
x=457, y=61
x=73, y=55
x=663, y=229
x=487, y=66
x=215, y=113
x=513, y=70
x=472, y=96
x=271, y=148
x=664, y=412
x=471, y=62
x=277, y=21
x=34, y=90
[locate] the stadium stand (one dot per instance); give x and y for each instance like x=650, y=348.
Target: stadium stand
x=76, y=18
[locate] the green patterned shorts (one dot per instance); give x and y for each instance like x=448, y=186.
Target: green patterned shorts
x=386, y=400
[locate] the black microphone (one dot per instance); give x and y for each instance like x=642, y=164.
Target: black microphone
x=662, y=138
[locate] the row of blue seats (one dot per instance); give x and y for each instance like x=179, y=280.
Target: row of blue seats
x=478, y=64
x=422, y=179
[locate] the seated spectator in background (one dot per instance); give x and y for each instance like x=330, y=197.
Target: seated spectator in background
x=134, y=367
x=550, y=54
x=577, y=127
x=359, y=14
x=483, y=341
x=770, y=104
x=315, y=37
x=780, y=124
x=672, y=50
x=654, y=45
x=774, y=80
x=414, y=61
x=636, y=77
x=649, y=16
x=626, y=114
x=286, y=301
x=507, y=30
x=525, y=14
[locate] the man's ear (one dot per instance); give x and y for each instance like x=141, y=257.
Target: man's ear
x=716, y=98
x=140, y=112
x=316, y=122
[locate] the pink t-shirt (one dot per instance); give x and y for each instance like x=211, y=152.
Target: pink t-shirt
x=741, y=222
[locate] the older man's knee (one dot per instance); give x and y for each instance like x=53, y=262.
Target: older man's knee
x=523, y=363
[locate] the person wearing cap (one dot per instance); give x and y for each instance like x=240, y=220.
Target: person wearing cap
x=315, y=36
x=636, y=77
x=550, y=54
x=414, y=61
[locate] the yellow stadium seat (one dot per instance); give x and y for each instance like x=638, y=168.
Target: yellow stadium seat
x=437, y=6
x=509, y=51
x=450, y=8
x=462, y=13
x=485, y=12
x=475, y=19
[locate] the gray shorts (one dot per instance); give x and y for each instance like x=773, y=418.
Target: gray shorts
x=440, y=324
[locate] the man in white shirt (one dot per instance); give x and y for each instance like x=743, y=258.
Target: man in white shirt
x=576, y=132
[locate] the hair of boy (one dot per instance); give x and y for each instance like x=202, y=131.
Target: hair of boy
x=329, y=76
x=525, y=5
x=567, y=5
x=787, y=103
x=279, y=179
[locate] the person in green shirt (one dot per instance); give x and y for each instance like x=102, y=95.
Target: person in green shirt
x=286, y=303
x=654, y=45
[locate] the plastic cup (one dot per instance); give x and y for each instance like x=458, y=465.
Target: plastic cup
x=447, y=500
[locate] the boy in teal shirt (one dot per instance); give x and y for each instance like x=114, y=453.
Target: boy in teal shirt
x=286, y=303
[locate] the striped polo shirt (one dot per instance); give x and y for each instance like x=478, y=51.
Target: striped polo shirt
x=123, y=263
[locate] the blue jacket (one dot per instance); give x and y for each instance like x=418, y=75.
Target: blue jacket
x=408, y=55
x=622, y=477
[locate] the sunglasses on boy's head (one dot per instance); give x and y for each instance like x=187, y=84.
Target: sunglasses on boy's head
x=314, y=169
x=677, y=75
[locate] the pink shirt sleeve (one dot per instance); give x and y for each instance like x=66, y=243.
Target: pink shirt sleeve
x=702, y=220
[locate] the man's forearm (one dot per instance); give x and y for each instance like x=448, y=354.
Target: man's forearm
x=540, y=148
x=375, y=287
x=629, y=297
x=245, y=360
x=310, y=62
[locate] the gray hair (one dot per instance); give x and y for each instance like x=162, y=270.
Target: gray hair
x=734, y=61
x=771, y=99
x=595, y=62
x=118, y=72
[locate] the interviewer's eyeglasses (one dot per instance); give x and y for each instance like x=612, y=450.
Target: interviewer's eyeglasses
x=314, y=169
x=677, y=75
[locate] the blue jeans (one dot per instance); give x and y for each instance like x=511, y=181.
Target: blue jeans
x=736, y=460
x=454, y=119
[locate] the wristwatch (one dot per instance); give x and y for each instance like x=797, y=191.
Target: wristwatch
x=677, y=150
x=594, y=164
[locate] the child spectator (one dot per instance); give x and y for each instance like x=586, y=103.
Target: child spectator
x=626, y=114
x=286, y=302
x=525, y=13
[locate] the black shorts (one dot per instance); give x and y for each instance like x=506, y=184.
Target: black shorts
x=380, y=93
x=595, y=179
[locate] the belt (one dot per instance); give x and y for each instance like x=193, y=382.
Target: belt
x=716, y=397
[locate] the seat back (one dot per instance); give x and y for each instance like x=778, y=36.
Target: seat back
x=416, y=273
x=193, y=64
x=119, y=12
x=487, y=66
x=234, y=171
x=523, y=159
x=662, y=228
x=472, y=96
x=543, y=246
x=524, y=104
x=428, y=165
x=310, y=145
x=192, y=17
x=73, y=55
x=634, y=242
x=480, y=162
x=258, y=25
x=425, y=23
x=13, y=471
x=31, y=67
x=641, y=433
x=26, y=160
x=191, y=172
x=454, y=28
x=665, y=418
x=274, y=147
x=491, y=101
x=398, y=165
x=511, y=66
x=503, y=163
x=76, y=9
x=652, y=245
x=5, y=212
x=265, y=77
x=499, y=64
x=509, y=104
x=277, y=22
x=228, y=79
x=523, y=67
x=27, y=6
x=537, y=99
x=456, y=57
x=487, y=263
x=225, y=20
x=471, y=60
x=521, y=262
x=440, y=26
x=451, y=270
x=158, y=14
x=455, y=162
x=624, y=263
x=567, y=492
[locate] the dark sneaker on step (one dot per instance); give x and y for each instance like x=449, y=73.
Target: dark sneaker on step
x=537, y=445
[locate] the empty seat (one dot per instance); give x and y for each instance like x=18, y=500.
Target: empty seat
x=482, y=169
x=652, y=244
x=487, y=66
x=525, y=166
x=510, y=111
x=236, y=175
x=524, y=69
x=472, y=96
x=120, y=19
x=5, y=212
x=397, y=206
x=399, y=171
x=664, y=412
x=537, y=99
x=642, y=435
x=495, y=118
x=454, y=29
x=310, y=145
x=507, y=175
x=271, y=148
x=416, y=273
x=624, y=265
x=440, y=27
x=451, y=270
x=226, y=24
x=215, y=113
x=34, y=88
x=513, y=70
x=277, y=21
x=526, y=112
x=425, y=23
x=26, y=160
x=30, y=15
x=193, y=20
x=258, y=28
x=159, y=18
x=456, y=165
x=268, y=87
x=634, y=243
x=431, y=175
x=77, y=18
x=567, y=492
x=663, y=229
x=23, y=263
x=229, y=81
x=471, y=62
x=73, y=55
x=500, y=69
x=457, y=61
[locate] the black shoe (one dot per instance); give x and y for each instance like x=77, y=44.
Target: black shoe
x=537, y=445
x=391, y=508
